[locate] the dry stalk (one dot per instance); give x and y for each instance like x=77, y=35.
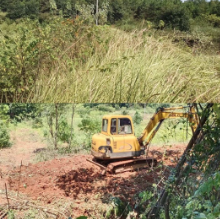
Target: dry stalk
x=6, y=193
x=19, y=179
x=3, y=214
x=44, y=209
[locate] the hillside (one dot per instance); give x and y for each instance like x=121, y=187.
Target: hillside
x=67, y=61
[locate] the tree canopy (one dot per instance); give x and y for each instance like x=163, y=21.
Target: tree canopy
x=175, y=13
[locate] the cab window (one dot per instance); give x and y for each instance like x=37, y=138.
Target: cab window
x=124, y=126
x=104, y=125
x=113, y=126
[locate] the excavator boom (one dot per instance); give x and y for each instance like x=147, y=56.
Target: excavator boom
x=162, y=114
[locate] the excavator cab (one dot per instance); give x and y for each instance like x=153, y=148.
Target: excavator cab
x=116, y=140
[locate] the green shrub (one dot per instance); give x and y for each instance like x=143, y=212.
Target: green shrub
x=11, y=214
x=137, y=118
x=105, y=108
x=64, y=130
x=176, y=18
x=90, y=125
x=4, y=136
x=37, y=122
x=213, y=19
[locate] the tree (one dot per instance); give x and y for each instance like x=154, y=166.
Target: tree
x=176, y=18
x=137, y=118
x=58, y=126
x=20, y=111
x=4, y=133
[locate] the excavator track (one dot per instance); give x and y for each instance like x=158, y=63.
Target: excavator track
x=125, y=165
x=130, y=165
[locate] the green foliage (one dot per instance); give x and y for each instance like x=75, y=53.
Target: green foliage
x=210, y=207
x=4, y=136
x=105, y=108
x=137, y=118
x=40, y=58
x=117, y=208
x=82, y=217
x=124, y=111
x=145, y=199
x=64, y=130
x=200, y=178
x=176, y=18
x=103, y=13
x=37, y=122
x=4, y=122
x=216, y=108
x=213, y=19
x=83, y=111
x=90, y=125
x=113, y=11
x=57, y=127
x=86, y=12
x=4, y=110
x=27, y=8
x=29, y=48
x=19, y=59
x=11, y=214
x=19, y=111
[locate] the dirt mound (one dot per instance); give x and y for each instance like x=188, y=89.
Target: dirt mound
x=77, y=180
x=52, y=178
x=48, y=181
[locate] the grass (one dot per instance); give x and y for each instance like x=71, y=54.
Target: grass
x=135, y=68
x=66, y=63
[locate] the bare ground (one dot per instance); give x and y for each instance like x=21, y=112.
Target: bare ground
x=71, y=186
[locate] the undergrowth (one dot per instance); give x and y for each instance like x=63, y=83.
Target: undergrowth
x=68, y=60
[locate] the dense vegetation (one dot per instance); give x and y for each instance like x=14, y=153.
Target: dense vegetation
x=142, y=51
x=173, y=13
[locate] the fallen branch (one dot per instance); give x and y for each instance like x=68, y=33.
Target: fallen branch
x=3, y=215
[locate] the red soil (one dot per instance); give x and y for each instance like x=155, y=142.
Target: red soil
x=73, y=178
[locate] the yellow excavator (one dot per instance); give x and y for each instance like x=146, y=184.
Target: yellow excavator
x=117, y=149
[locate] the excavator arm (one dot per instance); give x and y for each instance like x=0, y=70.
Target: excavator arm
x=162, y=114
